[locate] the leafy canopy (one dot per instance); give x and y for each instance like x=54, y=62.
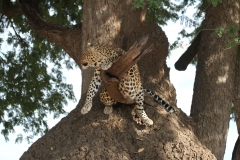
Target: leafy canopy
x=31, y=80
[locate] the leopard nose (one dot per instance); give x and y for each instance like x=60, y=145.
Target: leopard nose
x=85, y=63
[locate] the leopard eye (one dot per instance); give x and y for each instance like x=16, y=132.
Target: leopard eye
x=85, y=63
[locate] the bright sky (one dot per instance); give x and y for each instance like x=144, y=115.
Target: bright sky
x=183, y=82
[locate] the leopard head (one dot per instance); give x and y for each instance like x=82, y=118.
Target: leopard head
x=91, y=57
x=98, y=56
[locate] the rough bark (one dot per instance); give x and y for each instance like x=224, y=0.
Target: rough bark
x=118, y=136
x=213, y=89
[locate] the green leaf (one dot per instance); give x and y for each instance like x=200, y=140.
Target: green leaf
x=19, y=138
x=214, y=2
x=28, y=88
x=232, y=30
x=218, y=31
x=138, y=4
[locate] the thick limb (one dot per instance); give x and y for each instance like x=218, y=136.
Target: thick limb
x=140, y=109
x=93, y=88
x=107, y=101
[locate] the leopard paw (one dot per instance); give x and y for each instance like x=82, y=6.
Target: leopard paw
x=147, y=121
x=108, y=110
x=143, y=116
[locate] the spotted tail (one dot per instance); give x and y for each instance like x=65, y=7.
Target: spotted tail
x=159, y=100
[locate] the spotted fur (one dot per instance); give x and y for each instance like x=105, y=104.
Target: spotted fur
x=130, y=86
x=160, y=101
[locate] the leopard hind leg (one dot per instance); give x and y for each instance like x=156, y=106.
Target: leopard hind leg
x=139, y=109
x=107, y=101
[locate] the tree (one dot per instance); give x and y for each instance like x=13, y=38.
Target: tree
x=96, y=136
x=216, y=76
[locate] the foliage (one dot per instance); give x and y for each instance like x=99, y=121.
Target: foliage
x=197, y=22
x=161, y=11
x=62, y=12
x=214, y=2
x=231, y=31
x=31, y=81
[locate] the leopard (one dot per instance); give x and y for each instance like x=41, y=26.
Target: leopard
x=130, y=85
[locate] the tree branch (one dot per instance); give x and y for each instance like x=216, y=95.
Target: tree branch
x=22, y=41
x=189, y=54
x=9, y=9
x=30, y=10
x=112, y=76
x=65, y=38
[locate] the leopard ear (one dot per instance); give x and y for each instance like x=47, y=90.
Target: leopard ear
x=89, y=44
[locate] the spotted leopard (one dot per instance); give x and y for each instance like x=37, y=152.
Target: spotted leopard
x=130, y=86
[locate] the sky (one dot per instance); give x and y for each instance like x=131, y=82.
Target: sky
x=182, y=80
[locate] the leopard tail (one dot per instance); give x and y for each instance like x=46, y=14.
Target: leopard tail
x=160, y=101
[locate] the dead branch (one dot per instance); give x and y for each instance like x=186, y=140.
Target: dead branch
x=112, y=76
x=189, y=54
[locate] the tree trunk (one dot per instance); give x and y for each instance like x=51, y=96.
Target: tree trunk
x=120, y=136
x=213, y=88
x=236, y=150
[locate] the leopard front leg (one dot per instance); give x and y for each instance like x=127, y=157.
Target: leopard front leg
x=107, y=101
x=93, y=88
x=140, y=110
